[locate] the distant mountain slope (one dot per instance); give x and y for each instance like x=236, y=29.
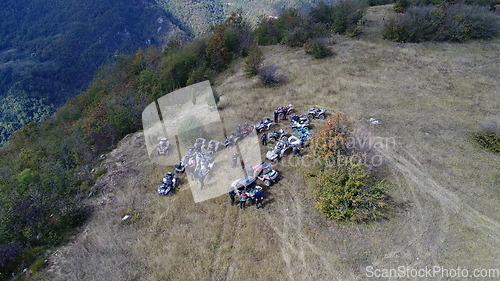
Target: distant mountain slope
x=49, y=50
x=200, y=15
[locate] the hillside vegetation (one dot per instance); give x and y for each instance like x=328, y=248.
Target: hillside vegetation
x=50, y=50
x=46, y=179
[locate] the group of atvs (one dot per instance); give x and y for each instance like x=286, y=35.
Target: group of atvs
x=200, y=157
x=300, y=124
x=212, y=145
x=263, y=172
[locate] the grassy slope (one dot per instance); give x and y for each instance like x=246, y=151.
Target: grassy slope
x=430, y=96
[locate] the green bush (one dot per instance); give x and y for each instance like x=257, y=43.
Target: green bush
x=490, y=4
x=200, y=74
x=348, y=192
x=340, y=17
x=342, y=186
x=317, y=49
x=291, y=28
x=38, y=265
x=456, y=23
x=401, y=5
x=379, y=2
x=99, y=173
x=253, y=61
x=488, y=140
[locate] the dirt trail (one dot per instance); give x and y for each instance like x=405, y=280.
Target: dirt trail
x=418, y=178
x=375, y=18
x=300, y=255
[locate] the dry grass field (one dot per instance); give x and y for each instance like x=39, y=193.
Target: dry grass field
x=430, y=97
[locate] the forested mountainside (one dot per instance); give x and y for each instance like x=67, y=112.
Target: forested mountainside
x=199, y=15
x=50, y=50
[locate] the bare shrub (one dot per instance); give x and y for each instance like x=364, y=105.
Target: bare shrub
x=270, y=75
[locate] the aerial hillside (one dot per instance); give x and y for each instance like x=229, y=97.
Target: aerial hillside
x=50, y=50
x=431, y=98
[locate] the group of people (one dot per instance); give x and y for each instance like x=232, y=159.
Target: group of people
x=243, y=197
x=197, y=164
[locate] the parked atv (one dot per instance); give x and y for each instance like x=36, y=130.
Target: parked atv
x=316, y=113
x=265, y=173
x=274, y=136
x=301, y=121
x=293, y=140
x=226, y=142
x=304, y=134
x=214, y=146
x=168, y=184
x=244, y=184
x=281, y=149
x=247, y=129
x=264, y=125
x=284, y=111
x=199, y=143
x=163, y=146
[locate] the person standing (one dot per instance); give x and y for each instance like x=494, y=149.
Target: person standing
x=264, y=139
x=243, y=200
x=276, y=116
x=296, y=151
x=232, y=194
x=202, y=175
x=201, y=178
x=259, y=199
x=234, y=159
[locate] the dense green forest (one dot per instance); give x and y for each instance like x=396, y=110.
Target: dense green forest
x=50, y=50
x=45, y=179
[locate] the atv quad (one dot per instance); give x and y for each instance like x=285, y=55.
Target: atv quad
x=265, y=173
x=168, y=184
x=264, y=125
x=163, y=146
x=274, y=136
x=281, y=149
x=284, y=111
x=244, y=184
x=304, y=134
x=299, y=121
x=316, y=113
